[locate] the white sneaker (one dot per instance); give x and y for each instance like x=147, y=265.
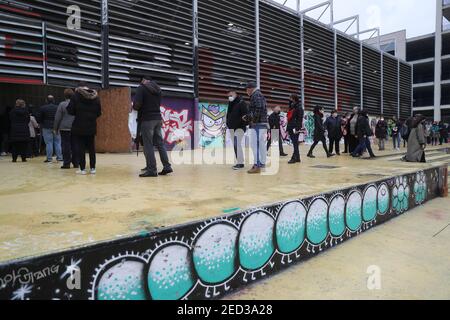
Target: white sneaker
x=93, y=171
x=82, y=172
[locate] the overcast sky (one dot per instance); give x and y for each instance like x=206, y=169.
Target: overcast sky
x=416, y=16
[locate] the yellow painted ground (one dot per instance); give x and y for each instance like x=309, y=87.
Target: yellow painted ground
x=44, y=209
x=412, y=252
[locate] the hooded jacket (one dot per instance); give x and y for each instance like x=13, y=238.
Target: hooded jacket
x=236, y=111
x=295, y=122
x=85, y=107
x=147, y=101
x=319, y=129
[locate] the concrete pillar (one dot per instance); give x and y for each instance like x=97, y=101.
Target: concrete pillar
x=438, y=62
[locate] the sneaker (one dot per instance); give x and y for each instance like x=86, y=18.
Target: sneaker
x=254, y=170
x=149, y=175
x=310, y=155
x=93, y=171
x=48, y=161
x=238, y=167
x=82, y=172
x=65, y=167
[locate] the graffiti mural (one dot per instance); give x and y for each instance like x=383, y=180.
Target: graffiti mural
x=213, y=125
x=178, y=121
x=209, y=259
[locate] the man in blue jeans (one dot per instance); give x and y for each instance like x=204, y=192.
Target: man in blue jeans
x=46, y=119
x=257, y=116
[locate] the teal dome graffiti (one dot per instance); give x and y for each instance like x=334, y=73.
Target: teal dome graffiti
x=336, y=216
x=353, y=211
x=400, y=195
x=383, y=199
x=291, y=227
x=317, y=222
x=420, y=188
x=215, y=253
x=124, y=281
x=370, y=204
x=170, y=276
x=256, y=243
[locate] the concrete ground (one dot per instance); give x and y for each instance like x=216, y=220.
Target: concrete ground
x=44, y=209
x=411, y=252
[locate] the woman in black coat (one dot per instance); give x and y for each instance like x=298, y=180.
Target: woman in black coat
x=319, y=132
x=19, y=131
x=295, y=125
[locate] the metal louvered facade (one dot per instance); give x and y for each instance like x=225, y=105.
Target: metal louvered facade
x=151, y=38
x=390, y=86
x=227, y=46
x=372, y=81
x=405, y=85
x=199, y=49
x=319, y=66
x=280, y=49
x=348, y=73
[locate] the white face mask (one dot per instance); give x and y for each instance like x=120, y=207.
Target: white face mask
x=231, y=99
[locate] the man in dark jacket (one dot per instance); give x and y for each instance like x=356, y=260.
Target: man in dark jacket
x=275, y=126
x=237, y=110
x=295, y=125
x=46, y=119
x=147, y=102
x=364, y=132
x=333, y=125
x=4, y=129
x=258, y=119
x=319, y=132
x=86, y=109
x=20, y=131
x=381, y=133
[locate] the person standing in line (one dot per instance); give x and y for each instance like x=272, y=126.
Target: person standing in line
x=396, y=136
x=259, y=124
x=417, y=142
x=4, y=130
x=351, y=128
x=295, y=125
x=428, y=126
x=364, y=132
x=20, y=131
x=333, y=125
x=86, y=109
x=275, y=125
x=381, y=133
x=147, y=102
x=33, y=125
x=237, y=110
x=443, y=133
x=345, y=133
x=435, y=134
x=63, y=127
x=46, y=119
x=319, y=133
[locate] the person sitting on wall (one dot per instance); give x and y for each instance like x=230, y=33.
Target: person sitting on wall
x=147, y=102
x=275, y=125
x=237, y=110
x=86, y=109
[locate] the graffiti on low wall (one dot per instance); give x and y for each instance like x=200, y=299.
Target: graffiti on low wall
x=210, y=259
x=178, y=121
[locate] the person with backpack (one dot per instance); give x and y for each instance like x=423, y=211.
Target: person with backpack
x=364, y=133
x=405, y=131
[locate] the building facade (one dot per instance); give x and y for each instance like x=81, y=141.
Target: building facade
x=197, y=50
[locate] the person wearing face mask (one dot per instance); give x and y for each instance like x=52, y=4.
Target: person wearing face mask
x=275, y=126
x=237, y=110
x=381, y=131
x=353, y=140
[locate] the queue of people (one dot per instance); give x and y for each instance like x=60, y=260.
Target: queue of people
x=67, y=129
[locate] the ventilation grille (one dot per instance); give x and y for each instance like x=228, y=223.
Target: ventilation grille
x=405, y=90
x=227, y=46
x=152, y=38
x=319, y=66
x=390, y=86
x=371, y=81
x=280, y=54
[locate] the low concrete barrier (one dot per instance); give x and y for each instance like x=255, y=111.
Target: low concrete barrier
x=209, y=259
